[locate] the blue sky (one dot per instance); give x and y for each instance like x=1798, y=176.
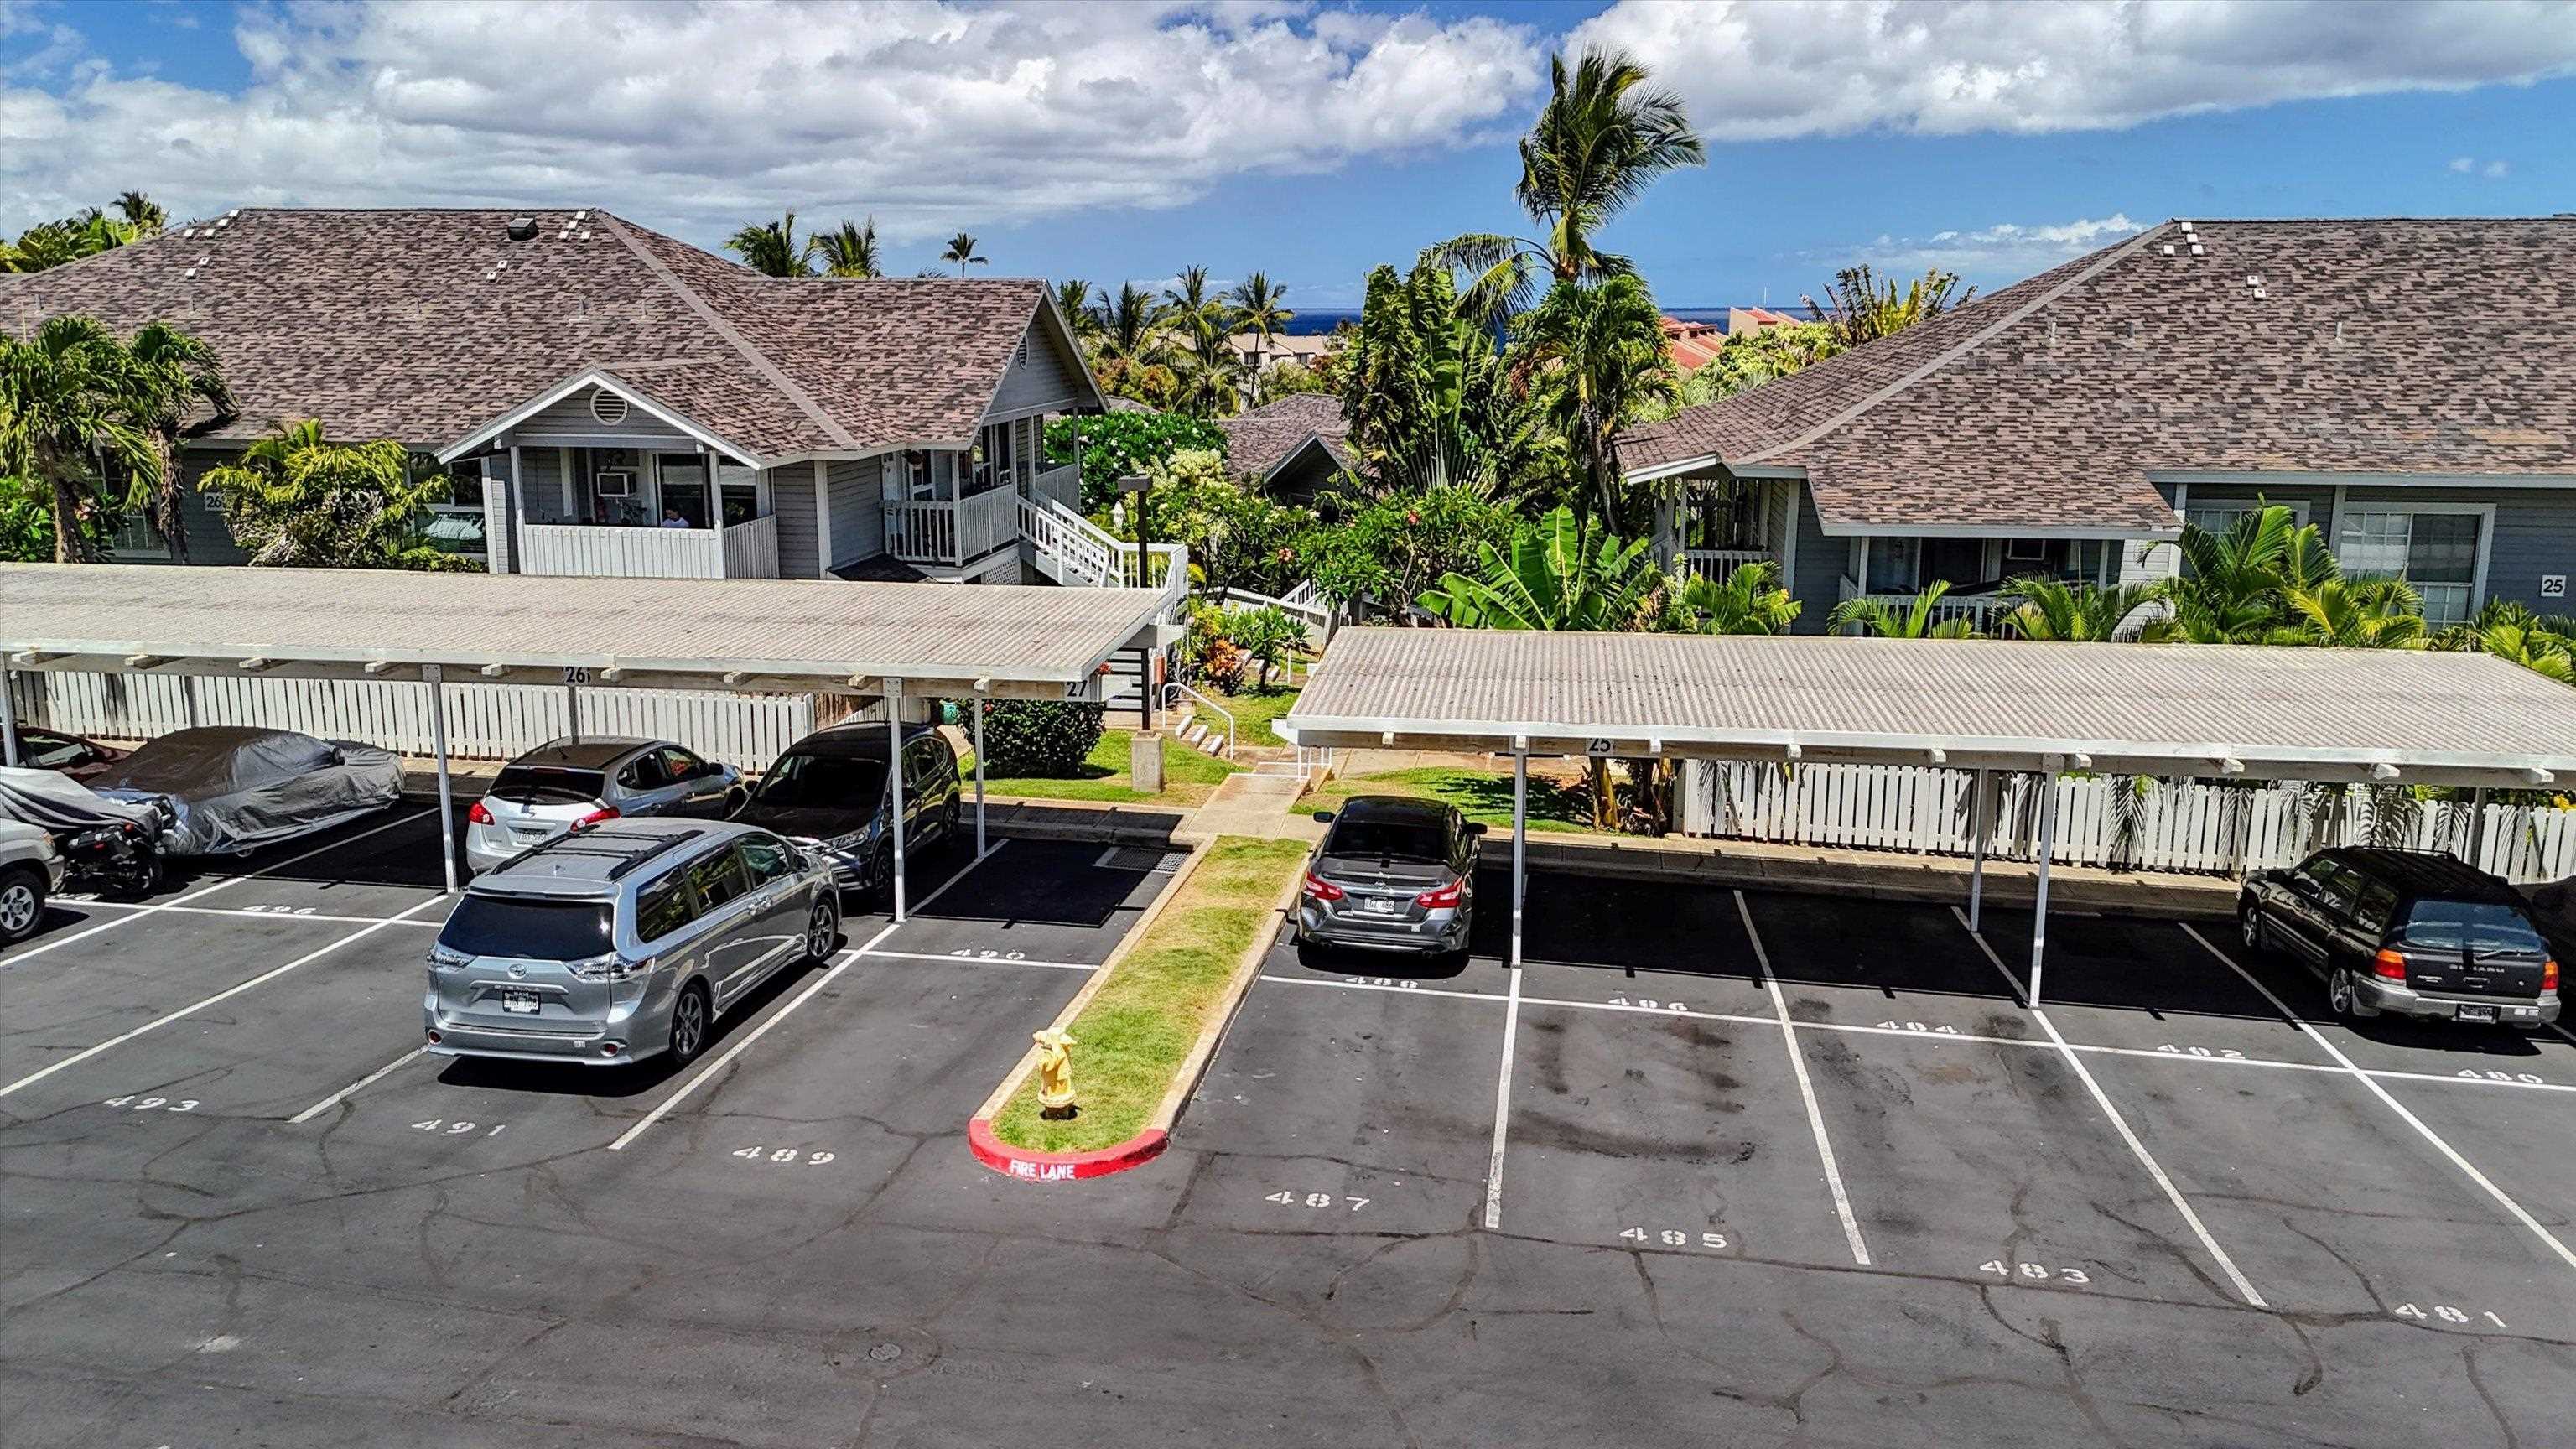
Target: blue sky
x=1123, y=141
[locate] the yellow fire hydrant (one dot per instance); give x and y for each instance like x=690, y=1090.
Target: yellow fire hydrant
x=1055, y=1073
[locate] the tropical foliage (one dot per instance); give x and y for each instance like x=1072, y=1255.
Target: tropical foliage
x=1430, y=400
x=1559, y=572
x=1749, y=600
x=2054, y=609
x=1602, y=138
x=298, y=500
x=1388, y=551
x=773, y=249
x=850, y=251
x=1863, y=310
x=1751, y=358
x=1593, y=357
x=1919, y=619
x=132, y=217
x=961, y=250
x=174, y=375
x=1238, y=538
x=1116, y=445
x=72, y=408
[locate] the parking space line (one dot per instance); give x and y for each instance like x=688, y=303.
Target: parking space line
x=707, y=1072
x=1502, y=1109
x=2393, y=1105
x=977, y=960
x=224, y=995
x=141, y=909
x=252, y=913
x=1398, y=990
x=354, y=1088
x=2075, y=1061
x=1806, y=1088
x=1857, y=1029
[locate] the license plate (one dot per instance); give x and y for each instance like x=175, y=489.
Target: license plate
x=2477, y=1013
x=523, y=1003
x=1377, y=905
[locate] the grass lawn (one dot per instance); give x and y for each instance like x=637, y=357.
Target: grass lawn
x=1253, y=711
x=1483, y=796
x=1133, y=1035
x=1188, y=776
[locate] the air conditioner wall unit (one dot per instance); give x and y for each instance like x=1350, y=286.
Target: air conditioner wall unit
x=614, y=483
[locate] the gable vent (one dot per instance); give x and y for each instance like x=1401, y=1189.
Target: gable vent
x=608, y=407
x=1024, y=351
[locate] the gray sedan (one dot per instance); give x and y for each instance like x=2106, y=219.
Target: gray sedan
x=565, y=784
x=1393, y=874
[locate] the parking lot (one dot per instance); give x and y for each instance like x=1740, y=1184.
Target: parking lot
x=1713, y=1167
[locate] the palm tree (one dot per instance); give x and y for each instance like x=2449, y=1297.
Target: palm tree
x=1073, y=299
x=961, y=250
x=1749, y=601
x=2356, y=613
x=850, y=251
x=142, y=213
x=174, y=372
x=1918, y=620
x=1259, y=309
x=1600, y=140
x=298, y=500
x=2053, y=609
x=771, y=248
x=1207, y=357
x=1862, y=312
x=1130, y=328
x=69, y=397
x=1594, y=356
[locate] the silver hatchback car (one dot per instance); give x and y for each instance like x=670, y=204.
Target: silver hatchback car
x=623, y=941
x=567, y=783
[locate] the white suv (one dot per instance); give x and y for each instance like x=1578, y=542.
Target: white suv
x=30, y=869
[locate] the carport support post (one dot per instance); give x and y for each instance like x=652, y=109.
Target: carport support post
x=894, y=778
x=1520, y=843
x=1978, y=815
x=572, y=711
x=978, y=703
x=2478, y=827
x=446, y=797
x=2047, y=848
x=8, y=718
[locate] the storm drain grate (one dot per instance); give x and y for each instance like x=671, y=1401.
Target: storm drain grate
x=1140, y=857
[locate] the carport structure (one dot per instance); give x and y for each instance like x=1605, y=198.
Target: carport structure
x=883, y=640
x=2366, y=716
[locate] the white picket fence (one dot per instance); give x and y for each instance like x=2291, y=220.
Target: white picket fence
x=484, y=721
x=2189, y=826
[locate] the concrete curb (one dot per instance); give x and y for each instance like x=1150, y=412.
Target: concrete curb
x=1030, y=1165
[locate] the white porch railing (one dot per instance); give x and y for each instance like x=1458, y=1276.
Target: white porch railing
x=747, y=550
x=1312, y=611
x=938, y=531
x=1063, y=485
x=1717, y=563
x=1984, y=612
x=1081, y=555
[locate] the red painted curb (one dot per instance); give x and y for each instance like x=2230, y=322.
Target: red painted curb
x=1032, y=1166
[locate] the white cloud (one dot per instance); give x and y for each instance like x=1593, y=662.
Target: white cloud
x=2494, y=170
x=2464, y=164
x=930, y=115
x=2004, y=252
x=2472, y=166
x=1759, y=71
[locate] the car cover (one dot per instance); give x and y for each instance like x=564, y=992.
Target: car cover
x=231, y=788
x=56, y=802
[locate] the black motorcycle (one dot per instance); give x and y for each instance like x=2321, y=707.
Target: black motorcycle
x=117, y=859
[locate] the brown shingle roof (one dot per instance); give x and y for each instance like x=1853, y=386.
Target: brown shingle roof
x=404, y=324
x=1262, y=439
x=2047, y=404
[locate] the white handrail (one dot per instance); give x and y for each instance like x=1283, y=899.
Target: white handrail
x=1316, y=616
x=1057, y=530
x=1175, y=689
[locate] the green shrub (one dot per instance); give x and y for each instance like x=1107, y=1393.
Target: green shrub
x=1039, y=737
x=1113, y=445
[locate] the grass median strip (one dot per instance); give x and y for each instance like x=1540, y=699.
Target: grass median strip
x=1137, y=1032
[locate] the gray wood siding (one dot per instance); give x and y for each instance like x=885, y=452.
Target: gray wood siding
x=210, y=539
x=858, y=510
x=541, y=492
x=791, y=497
x=1046, y=380
x=2320, y=501
x=1820, y=563
x=571, y=417
x=2535, y=534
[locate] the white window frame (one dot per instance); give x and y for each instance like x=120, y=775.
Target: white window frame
x=2484, y=512
x=2234, y=508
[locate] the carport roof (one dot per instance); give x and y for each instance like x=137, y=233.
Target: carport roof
x=2410, y=716
x=825, y=635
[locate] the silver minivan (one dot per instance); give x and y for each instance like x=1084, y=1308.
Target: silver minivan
x=566, y=783
x=623, y=941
